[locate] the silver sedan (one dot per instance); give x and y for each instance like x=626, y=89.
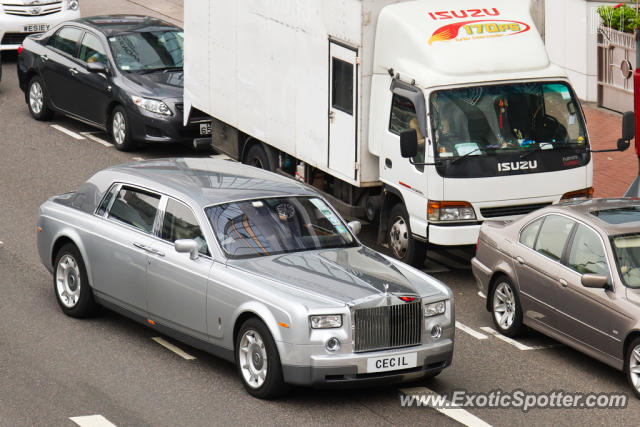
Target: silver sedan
x=249, y=266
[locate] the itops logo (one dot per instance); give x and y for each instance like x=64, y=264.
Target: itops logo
x=475, y=29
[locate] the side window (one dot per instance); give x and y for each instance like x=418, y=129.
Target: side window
x=587, y=253
x=91, y=50
x=530, y=232
x=403, y=116
x=553, y=236
x=136, y=208
x=106, y=200
x=180, y=223
x=342, y=86
x=65, y=40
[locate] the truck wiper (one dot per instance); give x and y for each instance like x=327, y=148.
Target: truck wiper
x=470, y=153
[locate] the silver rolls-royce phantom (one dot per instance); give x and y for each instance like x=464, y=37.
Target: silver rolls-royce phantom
x=248, y=265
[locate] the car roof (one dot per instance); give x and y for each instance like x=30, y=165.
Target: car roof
x=112, y=25
x=613, y=215
x=206, y=181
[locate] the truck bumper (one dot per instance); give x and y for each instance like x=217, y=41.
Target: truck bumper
x=454, y=235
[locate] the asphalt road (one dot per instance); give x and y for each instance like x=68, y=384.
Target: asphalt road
x=53, y=367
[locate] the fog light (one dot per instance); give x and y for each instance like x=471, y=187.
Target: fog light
x=436, y=332
x=333, y=344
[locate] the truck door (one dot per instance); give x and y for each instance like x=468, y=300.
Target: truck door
x=343, y=110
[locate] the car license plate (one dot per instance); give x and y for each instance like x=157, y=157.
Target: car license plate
x=392, y=363
x=205, y=128
x=35, y=28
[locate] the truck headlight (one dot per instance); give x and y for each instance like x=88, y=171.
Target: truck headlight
x=72, y=4
x=450, y=211
x=152, y=105
x=435, y=308
x=326, y=321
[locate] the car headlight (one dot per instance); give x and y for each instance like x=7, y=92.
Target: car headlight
x=435, y=308
x=73, y=4
x=152, y=105
x=326, y=321
x=450, y=211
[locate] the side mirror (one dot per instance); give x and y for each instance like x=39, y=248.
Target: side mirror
x=355, y=227
x=409, y=143
x=189, y=246
x=628, y=130
x=595, y=281
x=96, y=67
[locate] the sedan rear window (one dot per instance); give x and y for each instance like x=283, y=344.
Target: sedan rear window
x=273, y=226
x=135, y=208
x=553, y=236
x=65, y=40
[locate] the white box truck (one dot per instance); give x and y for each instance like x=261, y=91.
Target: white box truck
x=324, y=89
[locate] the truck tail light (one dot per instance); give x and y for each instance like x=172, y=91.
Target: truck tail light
x=585, y=193
x=450, y=211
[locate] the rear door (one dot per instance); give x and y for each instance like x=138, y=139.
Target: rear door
x=343, y=110
x=57, y=67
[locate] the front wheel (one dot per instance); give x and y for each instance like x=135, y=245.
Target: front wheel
x=71, y=284
x=258, y=361
x=506, y=308
x=404, y=246
x=120, y=130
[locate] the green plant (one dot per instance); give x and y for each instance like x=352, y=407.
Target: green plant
x=620, y=17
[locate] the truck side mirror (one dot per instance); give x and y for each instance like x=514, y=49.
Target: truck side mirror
x=628, y=128
x=408, y=143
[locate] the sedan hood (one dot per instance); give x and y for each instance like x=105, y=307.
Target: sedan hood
x=159, y=85
x=349, y=275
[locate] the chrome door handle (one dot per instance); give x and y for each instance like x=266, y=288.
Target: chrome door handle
x=520, y=260
x=157, y=252
x=73, y=71
x=142, y=246
x=563, y=283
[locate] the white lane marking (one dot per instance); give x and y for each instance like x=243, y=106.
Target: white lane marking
x=92, y=137
x=481, y=295
x=68, y=132
x=454, y=412
x=92, y=421
x=470, y=331
x=173, y=348
x=138, y=159
x=513, y=342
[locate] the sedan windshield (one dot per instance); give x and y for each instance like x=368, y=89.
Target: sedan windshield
x=627, y=252
x=272, y=226
x=488, y=120
x=148, y=51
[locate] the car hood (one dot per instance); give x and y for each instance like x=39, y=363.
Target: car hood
x=158, y=85
x=350, y=275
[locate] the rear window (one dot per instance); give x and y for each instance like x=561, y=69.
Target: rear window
x=553, y=236
x=65, y=40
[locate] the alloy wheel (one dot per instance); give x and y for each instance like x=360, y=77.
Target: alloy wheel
x=68, y=283
x=119, y=128
x=634, y=367
x=504, y=305
x=36, y=98
x=253, y=359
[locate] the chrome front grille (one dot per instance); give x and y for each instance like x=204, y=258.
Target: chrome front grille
x=40, y=9
x=387, y=327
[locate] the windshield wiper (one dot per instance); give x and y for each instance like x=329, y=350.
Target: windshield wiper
x=470, y=153
x=156, y=70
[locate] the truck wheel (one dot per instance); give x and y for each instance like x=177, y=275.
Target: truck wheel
x=38, y=100
x=405, y=248
x=257, y=156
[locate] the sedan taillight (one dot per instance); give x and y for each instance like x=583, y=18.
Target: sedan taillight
x=19, y=50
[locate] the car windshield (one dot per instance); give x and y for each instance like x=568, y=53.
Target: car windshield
x=627, y=252
x=488, y=120
x=271, y=226
x=148, y=51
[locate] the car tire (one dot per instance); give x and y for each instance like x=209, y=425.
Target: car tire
x=506, y=310
x=258, y=361
x=257, y=156
x=403, y=245
x=71, y=284
x=38, y=100
x=632, y=365
x=120, y=129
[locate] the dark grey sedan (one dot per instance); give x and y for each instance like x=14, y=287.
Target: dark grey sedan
x=570, y=271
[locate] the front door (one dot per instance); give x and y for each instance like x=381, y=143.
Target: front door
x=95, y=87
x=343, y=110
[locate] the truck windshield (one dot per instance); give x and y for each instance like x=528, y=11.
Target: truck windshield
x=271, y=226
x=506, y=120
x=148, y=51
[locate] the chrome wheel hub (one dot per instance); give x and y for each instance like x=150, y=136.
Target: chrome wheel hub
x=399, y=237
x=36, y=98
x=634, y=367
x=504, y=305
x=253, y=358
x=118, y=128
x=68, y=282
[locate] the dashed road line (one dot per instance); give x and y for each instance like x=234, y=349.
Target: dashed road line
x=68, y=132
x=91, y=136
x=513, y=342
x=173, y=348
x=452, y=411
x=92, y=421
x=470, y=331
x=481, y=295
x=138, y=159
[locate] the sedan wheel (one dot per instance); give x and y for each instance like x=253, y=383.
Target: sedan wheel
x=71, y=284
x=253, y=359
x=37, y=100
x=120, y=130
x=633, y=366
x=68, y=282
x=36, y=97
x=507, y=313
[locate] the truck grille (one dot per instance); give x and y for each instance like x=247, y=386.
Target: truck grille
x=511, y=210
x=382, y=328
x=41, y=9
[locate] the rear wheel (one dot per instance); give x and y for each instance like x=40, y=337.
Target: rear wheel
x=506, y=308
x=632, y=366
x=120, y=130
x=404, y=246
x=37, y=100
x=71, y=284
x=257, y=156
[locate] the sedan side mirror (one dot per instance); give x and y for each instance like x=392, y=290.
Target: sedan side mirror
x=409, y=143
x=628, y=130
x=189, y=246
x=355, y=227
x=595, y=281
x=96, y=67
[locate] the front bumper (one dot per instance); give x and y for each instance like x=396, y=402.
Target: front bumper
x=12, y=26
x=150, y=127
x=454, y=235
